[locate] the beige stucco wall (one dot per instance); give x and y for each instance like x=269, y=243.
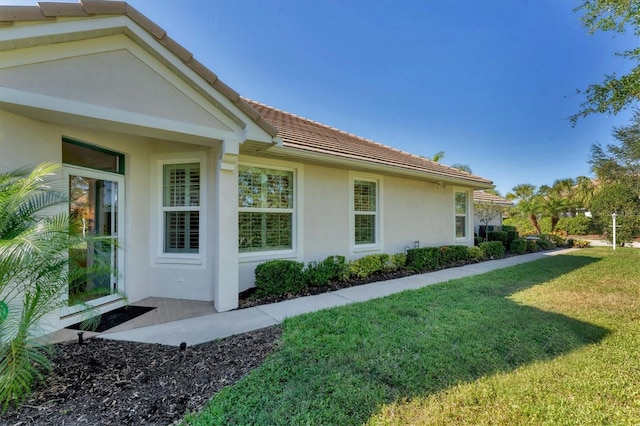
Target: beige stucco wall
x=410, y=210
x=25, y=143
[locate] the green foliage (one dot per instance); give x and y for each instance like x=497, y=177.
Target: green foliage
x=35, y=247
x=333, y=268
x=424, y=259
x=368, y=265
x=531, y=246
x=501, y=236
x=622, y=198
x=454, y=255
x=508, y=228
x=578, y=225
x=518, y=246
x=544, y=244
x=279, y=277
x=523, y=224
x=615, y=93
x=398, y=261
x=477, y=241
x=492, y=249
x=476, y=254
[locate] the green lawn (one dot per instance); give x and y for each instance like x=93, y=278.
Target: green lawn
x=555, y=341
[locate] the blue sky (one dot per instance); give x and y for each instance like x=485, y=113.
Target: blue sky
x=491, y=83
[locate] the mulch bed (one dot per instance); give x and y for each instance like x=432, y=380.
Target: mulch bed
x=104, y=382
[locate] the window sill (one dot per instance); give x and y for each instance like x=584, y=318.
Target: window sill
x=182, y=260
x=366, y=248
x=260, y=256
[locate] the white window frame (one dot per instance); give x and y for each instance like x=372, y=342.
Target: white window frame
x=159, y=209
x=248, y=256
x=378, y=244
x=466, y=215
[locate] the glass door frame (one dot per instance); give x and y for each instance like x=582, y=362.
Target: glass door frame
x=69, y=170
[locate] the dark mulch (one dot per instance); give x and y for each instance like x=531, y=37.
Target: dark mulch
x=106, y=382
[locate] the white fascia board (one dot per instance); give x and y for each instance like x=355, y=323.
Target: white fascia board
x=61, y=27
x=66, y=111
x=380, y=168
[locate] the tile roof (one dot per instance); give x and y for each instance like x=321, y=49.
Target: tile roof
x=50, y=11
x=302, y=133
x=484, y=197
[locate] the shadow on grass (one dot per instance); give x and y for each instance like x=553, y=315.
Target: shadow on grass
x=341, y=365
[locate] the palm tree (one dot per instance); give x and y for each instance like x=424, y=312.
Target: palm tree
x=35, y=247
x=437, y=157
x=527, y=203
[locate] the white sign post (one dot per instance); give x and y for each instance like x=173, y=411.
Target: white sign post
x=614, y=229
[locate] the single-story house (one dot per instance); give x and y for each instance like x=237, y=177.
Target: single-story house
x=502, y=204
x=199, y=184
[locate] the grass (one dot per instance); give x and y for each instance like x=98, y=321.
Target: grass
x=549, y=342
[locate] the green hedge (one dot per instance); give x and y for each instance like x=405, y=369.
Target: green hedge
x=518, y=246
x=279, y=277
x=424, y=259
x=501, y=236
x=333, y=268
x=493, y=249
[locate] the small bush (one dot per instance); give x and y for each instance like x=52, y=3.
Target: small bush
x=316, y=274
x=531, y=246
x=557, y=238
x=511, y=236
x=581, y=243
x=454, y=255
x=545, y=244
x=365, y=266
x=279, y=277
x=509, y=228
x=478, y=240
x=492, y=249
x=424, y=259
x=501, y=236
x=518, y=246
x=398, y=261
x=476, y=254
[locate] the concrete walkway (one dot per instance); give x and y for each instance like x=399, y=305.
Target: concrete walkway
x=206, y=328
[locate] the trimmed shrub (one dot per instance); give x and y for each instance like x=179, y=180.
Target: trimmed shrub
x=518, y=246
x=424, y=259
x=398, y=261
x=493, y=249
x=365, y=266
x=333, y=268
x=581, y=243
x=531, y=246
x=511, y=236
x=279, y=277
x=476, y=254
x=454, y=255
x=499, y=236
x=477, y=241
x=545, y=244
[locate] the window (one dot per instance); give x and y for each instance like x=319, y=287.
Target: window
x=365, y=206
x=181, y=207
x=90, y=156
x=461, y=210
x=266, y=204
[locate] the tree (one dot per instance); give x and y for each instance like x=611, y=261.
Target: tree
x=556, y=200
x=35, y=247
x=620, y=198
x=486, y=212
x=621, y=162
x=527, y=203
x=437, y=157
x=615, y=93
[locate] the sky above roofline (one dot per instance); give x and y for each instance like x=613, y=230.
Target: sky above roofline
x=490, y=83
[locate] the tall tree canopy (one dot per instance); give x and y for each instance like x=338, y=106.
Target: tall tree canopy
x=619, y=163
x=615, y=93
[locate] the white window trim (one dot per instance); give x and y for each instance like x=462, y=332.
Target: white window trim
x=377, y=246
x=158, y=209
x=468, y=215
x=296, y=216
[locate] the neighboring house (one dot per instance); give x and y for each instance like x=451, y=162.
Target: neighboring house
x=480, y=196
x=199, y=184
